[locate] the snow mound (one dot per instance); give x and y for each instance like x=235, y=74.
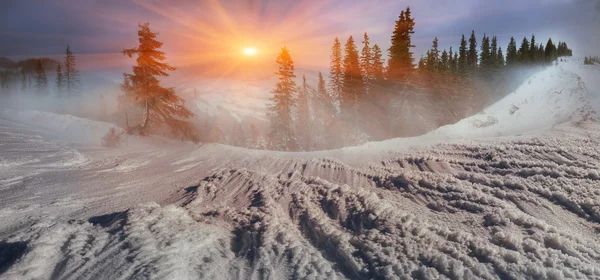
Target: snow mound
x=565, y=91
x=64, y=127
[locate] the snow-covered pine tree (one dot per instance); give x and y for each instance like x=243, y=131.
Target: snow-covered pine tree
x=142, y=89
x=281, y=135
x=71, y=76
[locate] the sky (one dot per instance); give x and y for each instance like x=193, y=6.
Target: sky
x=213, y=32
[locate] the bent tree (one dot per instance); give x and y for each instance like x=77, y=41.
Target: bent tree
x=142, y=90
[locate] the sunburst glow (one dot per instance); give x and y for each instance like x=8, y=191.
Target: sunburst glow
x=250, y=51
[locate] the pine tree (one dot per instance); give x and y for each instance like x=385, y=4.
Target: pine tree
x=400, y=63
x=377, y=64
x=353, y=87
x=499, y=58
x=71, y=76
x=41, y=81
x=472, y=54
x=494, y=52
x=550, y=51
x=142, y=89
x=59, y=81
x=451, y=61
x=512, y=56
x=485, y=56
x=303, y=124
x=533, y=50
x=433, y=57
x=463, y=60
x=280, y=111
x=366, y=63
x=443, y=67
x=524, y=51
x=336, y=74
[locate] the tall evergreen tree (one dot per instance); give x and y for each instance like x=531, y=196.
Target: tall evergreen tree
x=512, y=56
x=366, y=62
x=472, y=54
x=524, y=51
x=353, y=88
x=282, y=135
x=59, y=81
x=499, y=58
x=303, y=124
x=533, y=50
x=550, y=51
x=433, y=57
x=444, y=62
x=377, y=64
x=463, y=60
x=41, y=81
x=485, y=56
x=72, y=84
x=142, y=89
x=494, y=51
x=336, y=73
x=400, y=63
x=451, y=62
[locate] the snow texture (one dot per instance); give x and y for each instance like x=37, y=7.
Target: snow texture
x=447, y=205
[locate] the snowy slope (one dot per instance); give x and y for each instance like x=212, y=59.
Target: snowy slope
x=513, y=207
x=566, y=91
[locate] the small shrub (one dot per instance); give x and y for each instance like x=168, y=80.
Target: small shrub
x=112, y=138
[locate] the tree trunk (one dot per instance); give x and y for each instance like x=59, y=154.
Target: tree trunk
x=146, y=117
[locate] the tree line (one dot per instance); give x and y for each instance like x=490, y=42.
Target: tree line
x=369, y=98
x=30, y=76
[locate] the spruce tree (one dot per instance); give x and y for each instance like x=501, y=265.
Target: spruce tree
x=377, y=64
x=400, y=63
x=433, y=57
x=485, y=56
x=550, y=51
x=303, y=124
x=533, y=50
x=512, y=56
x=499, y=58
x=451, y=62
x=280, y=111
x=472, y=55
x=336, y=74
x=59, y=80
x=353, y=87
x=524, y=52
x=142, y=89
x=71, y=76
x=366, y=62
x=41, y=81
x=444, y=62
x=494, y=51
x=463, y=60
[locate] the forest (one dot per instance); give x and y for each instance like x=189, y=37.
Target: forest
x=369, y=94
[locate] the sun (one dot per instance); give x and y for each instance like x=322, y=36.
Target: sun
x=250, y=51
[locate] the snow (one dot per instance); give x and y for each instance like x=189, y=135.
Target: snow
x=457, y=203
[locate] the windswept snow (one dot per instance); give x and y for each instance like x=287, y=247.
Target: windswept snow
x=447, y=205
